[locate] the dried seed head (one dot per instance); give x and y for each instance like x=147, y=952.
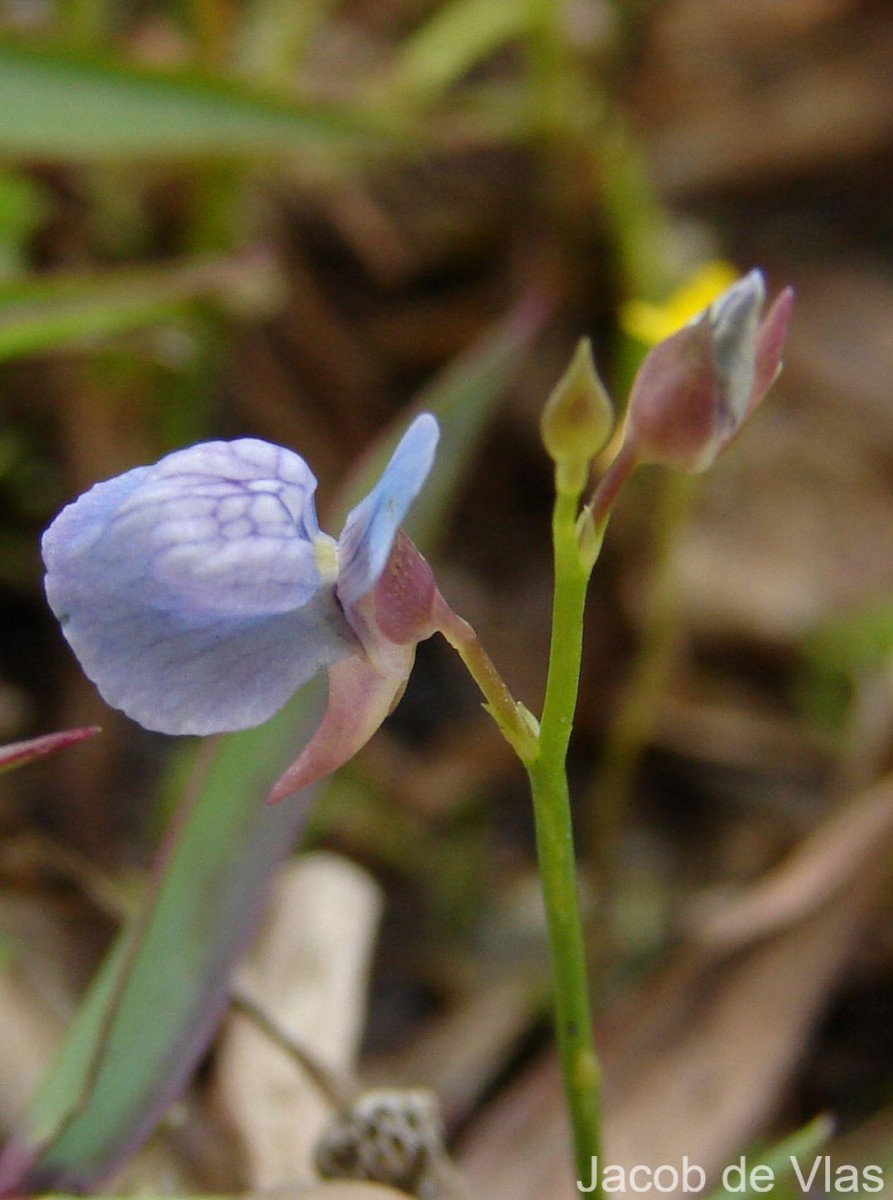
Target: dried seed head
x=388, y=1136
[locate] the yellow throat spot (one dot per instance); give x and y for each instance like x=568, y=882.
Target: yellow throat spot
x=325, y=551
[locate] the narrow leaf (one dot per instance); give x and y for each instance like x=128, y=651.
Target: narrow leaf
x=46, y=313
x=151, y=1011
x=70, y=107
x=17, y=754
x=463, y=398
x=800, y=1145
x=455, y=37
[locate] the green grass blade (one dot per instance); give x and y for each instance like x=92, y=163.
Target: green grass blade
x=452, y=40
x=274, y=37
x=803, y=1144
x=152, y=1008
x=46, y=313
x=71, y=107
x=463, y=398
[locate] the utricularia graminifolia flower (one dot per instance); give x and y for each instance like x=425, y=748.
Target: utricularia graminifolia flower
x=199, y=593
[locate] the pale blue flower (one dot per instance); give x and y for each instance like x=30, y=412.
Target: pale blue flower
x=199, y=593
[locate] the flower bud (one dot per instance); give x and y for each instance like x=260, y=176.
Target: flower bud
x=576, y=421
x=695, y=390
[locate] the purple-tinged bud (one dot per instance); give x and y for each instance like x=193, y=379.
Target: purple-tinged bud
x=695, y=390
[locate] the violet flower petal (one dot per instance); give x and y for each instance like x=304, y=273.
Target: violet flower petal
x=186, y=619
x=224, y=526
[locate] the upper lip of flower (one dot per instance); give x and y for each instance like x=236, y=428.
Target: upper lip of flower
x=370, y=528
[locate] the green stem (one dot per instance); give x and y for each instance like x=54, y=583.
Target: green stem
x=555, y=844
x=543, y=750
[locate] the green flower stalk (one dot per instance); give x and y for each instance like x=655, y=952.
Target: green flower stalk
x=555, y=841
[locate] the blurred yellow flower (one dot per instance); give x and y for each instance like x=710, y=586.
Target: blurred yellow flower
x=652, y=323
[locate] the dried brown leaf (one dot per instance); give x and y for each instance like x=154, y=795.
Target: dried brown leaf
x=854, y=839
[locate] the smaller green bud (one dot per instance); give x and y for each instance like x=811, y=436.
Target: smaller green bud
x=576, y=421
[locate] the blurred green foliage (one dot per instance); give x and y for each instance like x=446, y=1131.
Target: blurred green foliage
x=838, y=657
